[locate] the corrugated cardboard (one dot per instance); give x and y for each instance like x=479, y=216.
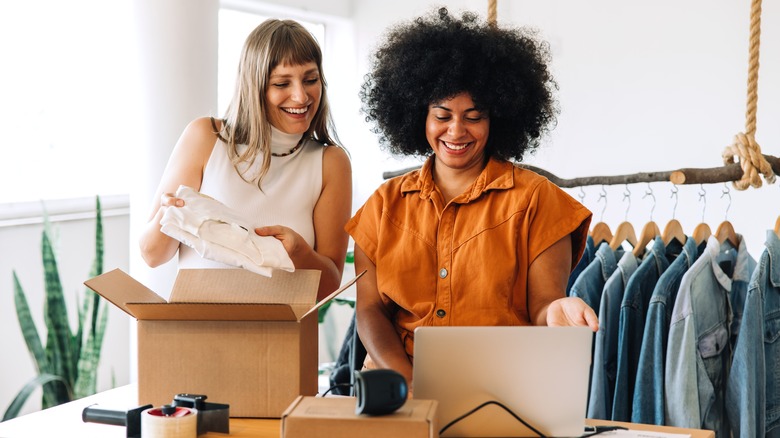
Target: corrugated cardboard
x=335, y=417
x=238, y=337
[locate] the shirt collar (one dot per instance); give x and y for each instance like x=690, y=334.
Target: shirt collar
x=497, y=175
x=773, y=248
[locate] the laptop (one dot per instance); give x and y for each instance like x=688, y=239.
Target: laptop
x=539, y=373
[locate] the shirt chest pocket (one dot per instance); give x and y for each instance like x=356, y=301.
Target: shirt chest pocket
x=712, y=343
x=490, y=259
x=772, y=330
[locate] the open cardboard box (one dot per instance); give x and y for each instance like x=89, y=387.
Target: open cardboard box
x=334, y=417
x=238, y=337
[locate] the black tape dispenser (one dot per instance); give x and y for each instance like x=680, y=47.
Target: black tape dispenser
x=379, y=392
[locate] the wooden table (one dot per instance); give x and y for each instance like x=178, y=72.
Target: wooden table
x=65, y=420
x=652, y=428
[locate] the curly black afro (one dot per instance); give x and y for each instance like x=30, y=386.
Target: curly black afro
x=437, y=56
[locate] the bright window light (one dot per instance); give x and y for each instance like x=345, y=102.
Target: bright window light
x=68, y=81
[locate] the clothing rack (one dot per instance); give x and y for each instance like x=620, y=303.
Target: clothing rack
x=727, y=173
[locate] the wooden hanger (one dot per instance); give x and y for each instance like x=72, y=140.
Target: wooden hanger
x=777, y=226
x=623, y=233
x=649, y=231
x=726, y=232
x=673, y=230
x=701, y=233
x=601, y=233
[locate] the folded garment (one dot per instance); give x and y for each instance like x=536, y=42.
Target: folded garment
x=218, y=233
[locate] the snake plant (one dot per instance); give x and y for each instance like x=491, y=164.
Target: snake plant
x=67, y=362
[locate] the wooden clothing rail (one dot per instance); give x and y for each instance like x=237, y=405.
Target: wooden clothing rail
x=727, y=173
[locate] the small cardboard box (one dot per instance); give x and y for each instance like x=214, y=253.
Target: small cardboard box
x=238, y=337
x=335, y=417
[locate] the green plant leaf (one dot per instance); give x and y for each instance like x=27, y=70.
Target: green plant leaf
x=93, y=318
x=97, y=264
x=59, y=343
x=83, y=311
x=21, y=398
x=30, y=334
x=29, y=330
x=86, y=384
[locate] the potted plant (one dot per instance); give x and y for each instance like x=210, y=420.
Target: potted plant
x=67, y=362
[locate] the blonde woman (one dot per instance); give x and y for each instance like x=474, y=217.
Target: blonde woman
x=272, y=158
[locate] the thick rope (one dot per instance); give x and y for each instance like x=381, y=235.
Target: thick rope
x=492, y=13
x=745, y=146
x=755, y=43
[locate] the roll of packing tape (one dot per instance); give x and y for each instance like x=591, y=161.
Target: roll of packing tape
x=169, y=422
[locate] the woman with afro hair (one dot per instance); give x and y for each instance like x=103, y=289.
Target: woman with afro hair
x=470, y=239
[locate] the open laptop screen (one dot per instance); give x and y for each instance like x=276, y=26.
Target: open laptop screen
x=539, y=373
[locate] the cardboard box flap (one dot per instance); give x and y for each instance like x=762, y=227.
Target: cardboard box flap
x=333, y=294
x=120, y=289
x=243, y=286
x=211, y=312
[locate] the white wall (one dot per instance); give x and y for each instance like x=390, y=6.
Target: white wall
x=659, y=86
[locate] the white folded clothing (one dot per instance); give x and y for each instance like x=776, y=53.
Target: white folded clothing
x=218, y=233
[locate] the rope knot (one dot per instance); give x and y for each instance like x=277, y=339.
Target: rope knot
x=750, y=159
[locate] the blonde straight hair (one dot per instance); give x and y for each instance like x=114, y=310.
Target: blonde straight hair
x=272, y=43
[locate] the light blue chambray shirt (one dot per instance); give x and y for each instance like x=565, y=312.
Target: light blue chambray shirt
x=602, y=385
x=753, y=389
x=698, y=354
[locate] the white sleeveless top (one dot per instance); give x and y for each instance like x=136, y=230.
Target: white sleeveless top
x=290, y=190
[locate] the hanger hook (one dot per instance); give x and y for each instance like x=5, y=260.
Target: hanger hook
x=581, y=195
x=726, y=192
x=602, y=195
x=627, y=197
x=649, y=192
x=703, y=199
x=676, y=199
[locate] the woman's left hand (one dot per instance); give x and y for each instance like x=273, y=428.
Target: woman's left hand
x=293, y=242
x=571, y=311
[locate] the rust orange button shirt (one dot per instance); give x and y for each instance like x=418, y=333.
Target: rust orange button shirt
x=466, y=262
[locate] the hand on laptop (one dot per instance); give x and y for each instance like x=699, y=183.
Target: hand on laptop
x=571, y=311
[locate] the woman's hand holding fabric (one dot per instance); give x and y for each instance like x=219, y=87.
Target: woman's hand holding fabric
x=571, y=311
x=293, y=242
x=170, y=200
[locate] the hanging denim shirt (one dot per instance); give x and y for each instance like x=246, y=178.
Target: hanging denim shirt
x=738, y=293
x=602, y=385
x=587, y=256
x=753, y=390
x=590, y=282
x=698, y=354
x=648, y=406
x=632, y=324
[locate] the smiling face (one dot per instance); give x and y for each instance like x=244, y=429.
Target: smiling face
x=458, y=131
x=293, y=96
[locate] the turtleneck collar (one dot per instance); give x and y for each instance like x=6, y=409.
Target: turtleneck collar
x=282, y=142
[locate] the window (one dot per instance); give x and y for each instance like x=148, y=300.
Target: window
x=69, y=90
x=66, y=92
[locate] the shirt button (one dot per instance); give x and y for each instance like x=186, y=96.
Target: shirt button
x=443, y=273
x=441, y=313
